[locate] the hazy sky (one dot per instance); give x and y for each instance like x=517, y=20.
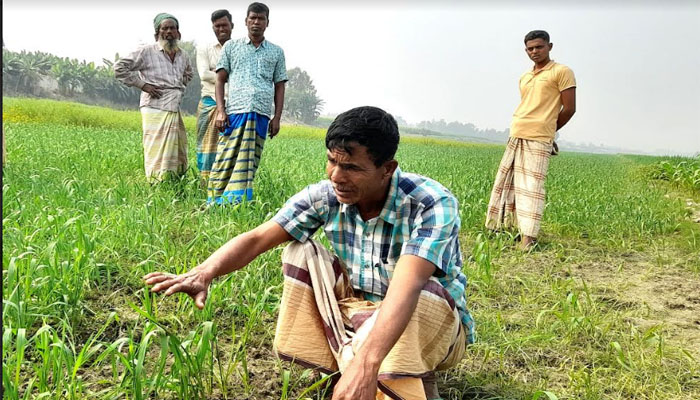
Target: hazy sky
x=637, y=64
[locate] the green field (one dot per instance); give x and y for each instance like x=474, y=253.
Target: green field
x=606, y=307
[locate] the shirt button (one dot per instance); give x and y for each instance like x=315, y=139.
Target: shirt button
x=367, y=233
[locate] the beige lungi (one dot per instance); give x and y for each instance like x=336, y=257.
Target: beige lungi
x=518, y=195
x=321, y=324
x=164, y=144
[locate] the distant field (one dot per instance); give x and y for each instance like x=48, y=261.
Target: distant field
x=608, y=306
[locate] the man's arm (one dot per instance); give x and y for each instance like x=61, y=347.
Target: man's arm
x=234, y=255
x=188, y=73
x=568, y=101
x=279, y=105
x=220, y=119
x=126, y=71
x=359, y=381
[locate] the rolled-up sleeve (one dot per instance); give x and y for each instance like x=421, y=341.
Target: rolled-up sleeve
x=126, y=69
x=188, y=73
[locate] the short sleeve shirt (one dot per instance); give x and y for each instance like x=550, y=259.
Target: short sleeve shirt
x=420, y=217
x=252, y=75
x=540, y=102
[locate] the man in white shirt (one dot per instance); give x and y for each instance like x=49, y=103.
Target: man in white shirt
x=207, y=58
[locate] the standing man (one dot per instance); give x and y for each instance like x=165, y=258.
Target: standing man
x=207, y=58
x=255, y=71
x=388, y=308
x=162, y=71
x=547, y=102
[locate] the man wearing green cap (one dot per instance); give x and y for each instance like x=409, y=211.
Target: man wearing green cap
x=162, y=71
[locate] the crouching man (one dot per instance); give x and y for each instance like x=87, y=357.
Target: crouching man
x=386, y=307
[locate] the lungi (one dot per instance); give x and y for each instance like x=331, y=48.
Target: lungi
x=518, y=195
x=164, y=144
x=207, y=136
x=237, y=158
x=321, y=324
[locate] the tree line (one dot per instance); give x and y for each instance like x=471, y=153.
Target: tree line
x=42, y=74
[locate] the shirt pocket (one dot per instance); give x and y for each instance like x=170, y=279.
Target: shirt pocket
x=266, y=68
x=545, y=84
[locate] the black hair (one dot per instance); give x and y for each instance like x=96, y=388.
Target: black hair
x=367, y=126
x=220, y=14
x=258, y=8
x=532, y=35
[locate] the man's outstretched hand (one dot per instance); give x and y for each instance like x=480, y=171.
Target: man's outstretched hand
x=194, y=283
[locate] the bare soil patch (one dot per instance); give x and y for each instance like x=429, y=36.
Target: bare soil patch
x=650, y=294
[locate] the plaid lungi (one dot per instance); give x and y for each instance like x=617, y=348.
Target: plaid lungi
x=164, y=144
x=518, y=195
x=207, y=136
x=321, y=324
x=237, y=158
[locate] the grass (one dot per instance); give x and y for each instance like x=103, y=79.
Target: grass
x=681, y=171
x=596, y=311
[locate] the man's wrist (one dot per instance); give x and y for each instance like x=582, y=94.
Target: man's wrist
x=369, y=361
x=206, y=272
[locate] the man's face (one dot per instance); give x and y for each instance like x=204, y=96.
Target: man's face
x=256, y=23
x=355, y=178
x=222, y=29
x=168, y=30
x=538, y=50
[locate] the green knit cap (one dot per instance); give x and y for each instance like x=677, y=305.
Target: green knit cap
x=162, y=17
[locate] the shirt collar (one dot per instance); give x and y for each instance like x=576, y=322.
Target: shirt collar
x=393, y=201
x=247, y=40
x=549, y=65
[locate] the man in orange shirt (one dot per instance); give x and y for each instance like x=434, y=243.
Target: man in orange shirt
x=547, y=103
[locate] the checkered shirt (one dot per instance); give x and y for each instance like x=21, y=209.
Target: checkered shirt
x=150, y=64
x=420, y=217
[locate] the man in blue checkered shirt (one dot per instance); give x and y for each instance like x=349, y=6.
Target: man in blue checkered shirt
x=388, y=307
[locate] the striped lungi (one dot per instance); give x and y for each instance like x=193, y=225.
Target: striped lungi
x=321, y=324
x=207, y=136
x=237, y=158
x=518, y=195
x=164, y=144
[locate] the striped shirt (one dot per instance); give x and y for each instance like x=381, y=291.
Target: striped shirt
x=149, y=64
x=252, y=75
x=420, y=217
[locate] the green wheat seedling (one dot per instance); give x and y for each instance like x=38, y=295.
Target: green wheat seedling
x=81, y=227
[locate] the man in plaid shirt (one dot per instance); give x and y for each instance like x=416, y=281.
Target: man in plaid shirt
x=388, y=308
